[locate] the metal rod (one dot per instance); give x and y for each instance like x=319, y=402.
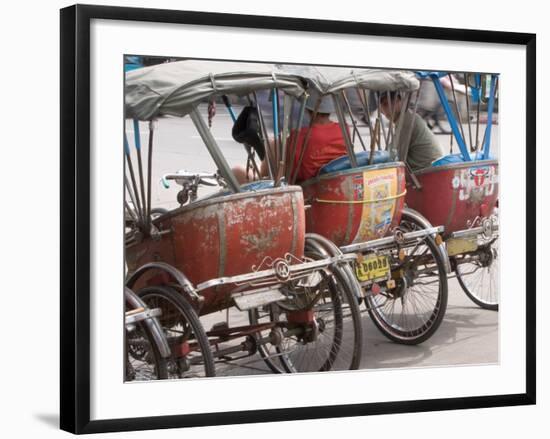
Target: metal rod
x=214, y=149
x=132, y=176
x=407, y=237
x=468, y=111
x=287, y=109
x=137, y=138
x=295, y=138
x=398, y=149
x=374, y=140
x=305, y=143
x=411, y=127
x=478, y=86
x=382, y=123
x=490, y=109
x=345, y=133
x=131, y=212
x=275, y=111
x=268, y=151
x=225, y=100
x=149, y=170
x=457, y=109
x=364, y=102
x=392, y=113
x=130, y=192
x=474, y=231
x=353, y=122
x=270, y=274
x=450, y=117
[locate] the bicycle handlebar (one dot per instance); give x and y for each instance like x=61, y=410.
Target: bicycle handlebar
x=185, y=178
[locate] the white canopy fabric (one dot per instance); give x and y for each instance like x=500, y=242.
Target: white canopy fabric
x=175, y=88
x=333, y=79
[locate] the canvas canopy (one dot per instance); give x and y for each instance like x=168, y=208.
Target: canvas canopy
x=333, y=79
x=175, y=88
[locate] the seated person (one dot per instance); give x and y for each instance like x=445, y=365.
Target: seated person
x=325, y=143
x=423, y=146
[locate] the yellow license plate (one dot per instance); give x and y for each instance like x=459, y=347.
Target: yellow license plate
x=373, y=267
x=460, y=246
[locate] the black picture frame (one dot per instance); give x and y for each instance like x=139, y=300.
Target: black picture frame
x=75, y=217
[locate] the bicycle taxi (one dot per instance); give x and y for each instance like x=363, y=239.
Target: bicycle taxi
x=243, y=247
x=358, y=202
x=460, y=190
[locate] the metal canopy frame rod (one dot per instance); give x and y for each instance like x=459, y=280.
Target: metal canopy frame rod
x=294, y=144
x=490, y=109
x=467, y=91
x=478, y=110
x=305, y=142
x=288, y=102
x=149, y=170
x=137, y=202
x=225, y=100
x=457, y=109
x=450, y=116
x=353, y=121
x=275, y=115
x=214, y=149
x=137, y=139
x=345, y=134
x=363, y=98
x=268, y=150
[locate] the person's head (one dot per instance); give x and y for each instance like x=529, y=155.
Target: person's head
x=324, y=108
x=390, y=104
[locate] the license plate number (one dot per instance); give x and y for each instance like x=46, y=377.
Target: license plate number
x=373, y=267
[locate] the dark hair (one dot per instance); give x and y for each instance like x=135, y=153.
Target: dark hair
x=246, y=130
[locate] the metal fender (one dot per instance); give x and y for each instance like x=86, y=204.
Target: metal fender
x=152, y=323
x=173, y=272
x=420, y=219
x=327, y=248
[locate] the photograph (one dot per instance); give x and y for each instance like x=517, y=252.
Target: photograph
x=269, y=220
x=297, y=218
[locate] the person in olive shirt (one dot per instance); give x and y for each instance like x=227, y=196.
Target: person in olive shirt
x=423, y=146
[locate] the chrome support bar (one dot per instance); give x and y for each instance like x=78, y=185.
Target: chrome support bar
x=297, y=269
x=474, y=231
x=214, y=149
x=377, y=243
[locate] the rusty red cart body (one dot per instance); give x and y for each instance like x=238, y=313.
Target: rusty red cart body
x=229, y=236
x=456, y=195
x=358, y=202
x=356, y=205
x=243, y=248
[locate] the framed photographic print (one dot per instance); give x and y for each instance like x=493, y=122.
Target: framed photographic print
x=273, y=218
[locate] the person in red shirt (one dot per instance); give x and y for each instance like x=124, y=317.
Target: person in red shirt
x=325, y=142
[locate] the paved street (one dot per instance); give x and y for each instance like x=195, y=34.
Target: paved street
x=468, y=334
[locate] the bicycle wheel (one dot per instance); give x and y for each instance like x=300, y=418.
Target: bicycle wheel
x=191, y=355
x=143, y=359
x=318, y=326
x=479, y=278
x=144, y=355
x=411, y=312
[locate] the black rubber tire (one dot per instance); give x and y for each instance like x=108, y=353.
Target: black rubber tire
x=471, y=292
x=342, y=305
x=176, y=310
x=425, y=329
x=160, y=370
